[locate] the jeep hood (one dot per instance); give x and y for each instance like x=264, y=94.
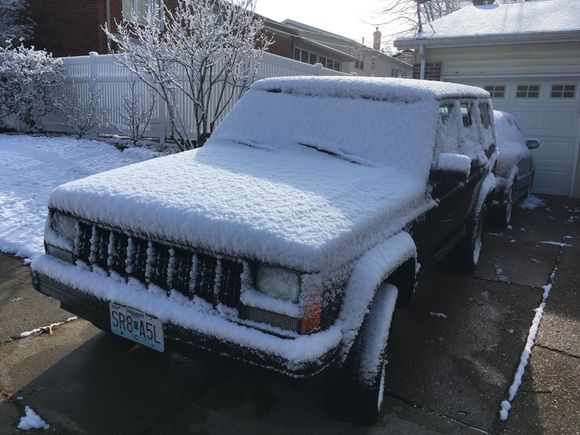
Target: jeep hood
x=298, y=208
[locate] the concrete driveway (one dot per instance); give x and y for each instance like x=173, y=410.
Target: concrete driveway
x=447, y=373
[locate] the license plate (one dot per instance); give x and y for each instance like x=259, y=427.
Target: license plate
x=137, y=326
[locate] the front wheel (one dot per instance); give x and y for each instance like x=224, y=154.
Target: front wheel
x=367, y=369
x=465, y=256
x=501, y=215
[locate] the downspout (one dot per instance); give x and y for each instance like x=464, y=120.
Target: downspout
x=422, y=55
x=108, y=20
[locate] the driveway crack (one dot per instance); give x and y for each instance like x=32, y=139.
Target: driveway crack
x=435, y=412
x=562, y=352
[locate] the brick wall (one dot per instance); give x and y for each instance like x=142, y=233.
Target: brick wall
x=72, y=27
x=282, y=46
x=432, y=71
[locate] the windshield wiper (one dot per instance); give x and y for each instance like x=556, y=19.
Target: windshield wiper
x=331, y=153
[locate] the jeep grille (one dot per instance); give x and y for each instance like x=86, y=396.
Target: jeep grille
x=192, y=273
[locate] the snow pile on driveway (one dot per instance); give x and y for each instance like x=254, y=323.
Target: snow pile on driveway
x=32, y=420
x=31, y=167
x=532, y=202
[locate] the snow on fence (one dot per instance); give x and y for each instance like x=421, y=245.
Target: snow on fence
x=113, y=81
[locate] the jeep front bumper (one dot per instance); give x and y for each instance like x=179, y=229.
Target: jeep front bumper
x=87, y=294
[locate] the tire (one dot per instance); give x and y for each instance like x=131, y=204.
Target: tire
x=465, y=256
x=501, y=215
x=368, y=359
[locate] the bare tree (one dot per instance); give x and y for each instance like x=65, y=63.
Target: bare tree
x=136, y=113
x=408, y=16
x=15, y=23
x=206, y=52
x=84, y=115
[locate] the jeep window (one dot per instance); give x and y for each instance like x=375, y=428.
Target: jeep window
x=465, y=109
x=444, y=111
x=447, y=129
x=485, y=115
x=471, y=139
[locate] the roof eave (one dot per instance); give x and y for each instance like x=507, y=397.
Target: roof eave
x=498, y=39
x=343, y=57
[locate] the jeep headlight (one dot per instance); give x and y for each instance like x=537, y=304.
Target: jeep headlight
x=63, y=224
x=279, y=283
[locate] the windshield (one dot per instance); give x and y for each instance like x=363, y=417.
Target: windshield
x=362, y=131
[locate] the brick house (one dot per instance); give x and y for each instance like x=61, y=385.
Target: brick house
x=74, y=28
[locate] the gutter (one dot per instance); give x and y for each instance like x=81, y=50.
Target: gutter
x=496, y=39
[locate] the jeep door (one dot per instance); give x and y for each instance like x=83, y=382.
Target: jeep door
x=442, y=226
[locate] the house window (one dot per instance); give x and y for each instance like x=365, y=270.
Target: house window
x=528, y=91
x=305, y=56
x=563, y=91
x=138, y=8
x=495, y=91
x=395, y=72
x=359, y=63
x=329, y=63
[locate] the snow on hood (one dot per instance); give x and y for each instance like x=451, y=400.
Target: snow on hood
x=303, y=181
x=249, y=202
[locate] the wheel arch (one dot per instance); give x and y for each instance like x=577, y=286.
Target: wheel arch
x=393, y=261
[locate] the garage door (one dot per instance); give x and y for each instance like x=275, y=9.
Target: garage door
x=549, y=111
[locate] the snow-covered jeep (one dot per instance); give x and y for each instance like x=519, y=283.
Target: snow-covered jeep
x=288, y=239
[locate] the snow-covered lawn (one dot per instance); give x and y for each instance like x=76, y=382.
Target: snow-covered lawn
x=31, y=167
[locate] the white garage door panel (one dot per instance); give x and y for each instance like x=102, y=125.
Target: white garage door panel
x=555, y=122
x=529, y=122
x=559, y=123
x=555, y=126
x=555, y=150
x=551, y=182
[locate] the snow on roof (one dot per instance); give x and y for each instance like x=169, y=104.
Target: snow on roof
x=502, y=20
x=377, y=88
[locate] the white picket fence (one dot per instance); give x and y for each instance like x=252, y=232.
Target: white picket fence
x=113, y=81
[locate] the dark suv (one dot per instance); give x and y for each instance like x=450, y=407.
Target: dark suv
x=288, y=239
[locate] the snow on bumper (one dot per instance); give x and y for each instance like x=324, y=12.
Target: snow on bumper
x=196, y=325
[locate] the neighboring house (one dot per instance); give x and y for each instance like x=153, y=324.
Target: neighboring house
x=291, y=43
x=527, y=56
x=359, y=58
x=74, y=27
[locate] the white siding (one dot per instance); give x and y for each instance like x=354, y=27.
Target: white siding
x=555, y=122
x=559, y=59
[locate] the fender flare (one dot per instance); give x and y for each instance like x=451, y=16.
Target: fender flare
x=487, y=188
x=369, y=272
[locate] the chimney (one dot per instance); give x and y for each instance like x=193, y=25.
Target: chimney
x=377, y=39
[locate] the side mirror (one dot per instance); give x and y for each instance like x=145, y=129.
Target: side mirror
x=532, y=144
x=451, y=168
